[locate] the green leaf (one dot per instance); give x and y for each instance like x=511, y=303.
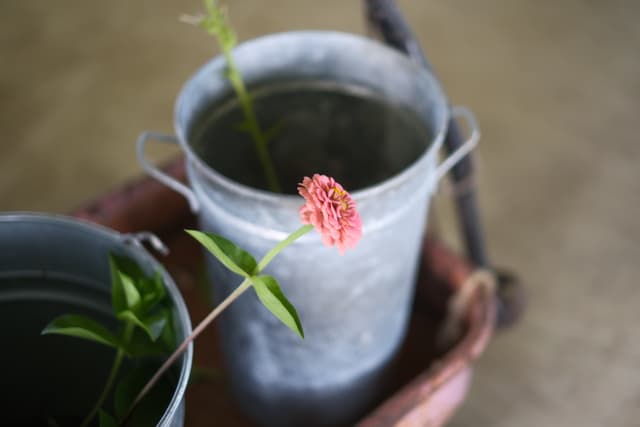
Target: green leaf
x=151, y=290
x=131, y=294
x=152, y=406
x=271, y=296
x=234, y=258
x=158, y=286
x=124, y=294
x=82, y=327
x=142, y=346
x=168, y=337
x=156, y=323
x=106, y=420
x=152, y=324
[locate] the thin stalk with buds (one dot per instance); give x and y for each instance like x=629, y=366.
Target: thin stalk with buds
x=215, y=23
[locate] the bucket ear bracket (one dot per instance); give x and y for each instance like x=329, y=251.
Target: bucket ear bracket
x=466, y=147
x=138, y=239
x=161, y=176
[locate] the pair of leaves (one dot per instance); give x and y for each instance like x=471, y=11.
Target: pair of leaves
x=242, y=263
x=141, y=345
x=141, y=300
x=135, y=298
x=152, y=324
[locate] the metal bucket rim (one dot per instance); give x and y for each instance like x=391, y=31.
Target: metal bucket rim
x=176, y=297
x=369, y=192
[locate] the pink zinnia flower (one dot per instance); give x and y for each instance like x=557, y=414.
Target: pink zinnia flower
x=331, y=210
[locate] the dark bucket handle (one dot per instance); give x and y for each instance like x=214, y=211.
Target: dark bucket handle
x=385, y=18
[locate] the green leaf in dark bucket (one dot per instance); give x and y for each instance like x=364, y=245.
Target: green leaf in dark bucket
x=233, y=257
x=152, y=324
x=271, y=296
x=141, y=345
x=106, y=420
x=149, y=411
x=145, y=327
x=124, y=293
x=79, y=326
x=168, y=335
x=152, y=290
x=137, y=298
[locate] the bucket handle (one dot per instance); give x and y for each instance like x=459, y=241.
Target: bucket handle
x=194, y=204
x=466, y=147
x=138, y=239
x=161, y=176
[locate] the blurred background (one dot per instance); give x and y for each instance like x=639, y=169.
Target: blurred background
x=555, y=87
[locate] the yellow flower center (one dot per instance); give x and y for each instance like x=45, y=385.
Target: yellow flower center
x=340, y=195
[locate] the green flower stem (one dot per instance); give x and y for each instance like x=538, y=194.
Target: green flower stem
x=252, y=123
x=215, y=23
x=246, y=284
x=126, y=337
x=283, y=244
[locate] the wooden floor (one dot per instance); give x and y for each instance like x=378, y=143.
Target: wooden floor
x=555, y=86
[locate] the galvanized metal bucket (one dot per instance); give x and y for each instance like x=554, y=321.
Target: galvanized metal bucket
x=53, y=265
x=365, y=114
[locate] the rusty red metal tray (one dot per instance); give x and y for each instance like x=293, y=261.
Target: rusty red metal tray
x=429, y=383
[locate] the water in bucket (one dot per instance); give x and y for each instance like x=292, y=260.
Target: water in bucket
x=348, y=132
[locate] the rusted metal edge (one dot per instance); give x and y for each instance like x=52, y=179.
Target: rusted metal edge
x=436, y=392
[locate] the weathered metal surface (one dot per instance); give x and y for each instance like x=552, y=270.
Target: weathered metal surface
x=54, y=265
x=426, y=384
x=354, y=307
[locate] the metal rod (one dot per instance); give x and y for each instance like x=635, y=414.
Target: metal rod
x=386, y=19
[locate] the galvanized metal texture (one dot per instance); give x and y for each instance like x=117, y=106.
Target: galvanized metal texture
x=435, y=383
x=354, y=308
x=59, y=263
